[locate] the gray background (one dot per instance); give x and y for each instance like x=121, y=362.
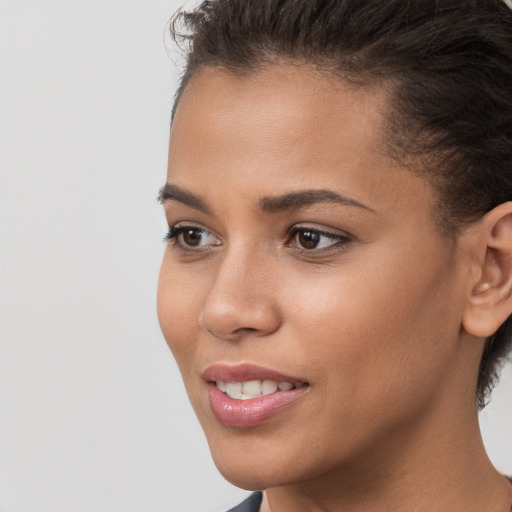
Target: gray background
x=93, y=415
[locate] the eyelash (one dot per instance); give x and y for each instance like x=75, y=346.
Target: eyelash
x=340, y=241
x=174, y=233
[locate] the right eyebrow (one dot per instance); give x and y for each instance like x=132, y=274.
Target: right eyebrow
x=174, y=193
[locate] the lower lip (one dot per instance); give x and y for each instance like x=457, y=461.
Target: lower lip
x=252, y=412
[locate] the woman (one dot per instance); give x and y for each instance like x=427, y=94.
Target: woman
x=337, y=282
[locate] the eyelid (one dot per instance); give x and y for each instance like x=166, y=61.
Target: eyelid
x=328, y=232
x=181, y=227
x=174, y=228
x=340, y=238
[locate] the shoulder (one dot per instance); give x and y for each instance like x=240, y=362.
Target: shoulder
x=250, y=504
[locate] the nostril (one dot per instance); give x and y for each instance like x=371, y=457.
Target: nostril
x=228, y=318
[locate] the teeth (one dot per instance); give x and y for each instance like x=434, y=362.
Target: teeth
x=268, y=387
x=234, y=389
x=253, y=388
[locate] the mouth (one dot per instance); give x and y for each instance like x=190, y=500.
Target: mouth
x=249, y=389
x=248, y=395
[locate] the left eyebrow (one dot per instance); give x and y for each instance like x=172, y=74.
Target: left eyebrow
x=302, y=198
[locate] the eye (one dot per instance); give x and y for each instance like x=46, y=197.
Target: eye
x=308, y=239
x=191, y=237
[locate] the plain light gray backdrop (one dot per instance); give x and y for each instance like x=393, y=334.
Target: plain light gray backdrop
x=93, y=414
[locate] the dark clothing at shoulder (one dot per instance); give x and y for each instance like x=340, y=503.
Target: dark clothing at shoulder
x=253, y=502
x=250, y=504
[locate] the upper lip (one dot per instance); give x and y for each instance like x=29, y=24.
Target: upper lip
x=245, y=372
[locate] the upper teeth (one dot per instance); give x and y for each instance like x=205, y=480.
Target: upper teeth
x=252, y=388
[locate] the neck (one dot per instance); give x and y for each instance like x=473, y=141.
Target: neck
x=442, y=467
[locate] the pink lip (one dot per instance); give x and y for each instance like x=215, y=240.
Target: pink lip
x=253, y=412
x=244, y=372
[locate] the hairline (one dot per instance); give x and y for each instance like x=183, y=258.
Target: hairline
x=374, y=83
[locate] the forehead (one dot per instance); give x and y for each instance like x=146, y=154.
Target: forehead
x=281, y=128
x=279, y=106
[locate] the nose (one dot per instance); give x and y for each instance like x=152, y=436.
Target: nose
x=242, y=300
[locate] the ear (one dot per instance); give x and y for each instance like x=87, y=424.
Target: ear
x=490, y=300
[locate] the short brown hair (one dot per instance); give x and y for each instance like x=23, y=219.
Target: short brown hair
x=449, y=64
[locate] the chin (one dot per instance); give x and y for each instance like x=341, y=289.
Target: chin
x=249, y=474
x=260, y=462
x=245, y=464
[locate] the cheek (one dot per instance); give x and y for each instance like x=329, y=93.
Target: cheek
x=378, y=329
x=179, y=307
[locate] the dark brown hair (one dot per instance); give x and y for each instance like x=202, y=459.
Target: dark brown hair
x=447, y=67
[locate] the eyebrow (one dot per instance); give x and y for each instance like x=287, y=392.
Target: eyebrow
x=271, y=204
x=303, y=198
x=174, y=193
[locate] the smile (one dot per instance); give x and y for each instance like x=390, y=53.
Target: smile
x=250, y=389
x=246, y=395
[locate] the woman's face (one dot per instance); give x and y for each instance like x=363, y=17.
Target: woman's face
x=300, y=253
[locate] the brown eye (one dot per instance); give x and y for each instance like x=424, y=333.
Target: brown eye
x=308, y=239
x=192, y=237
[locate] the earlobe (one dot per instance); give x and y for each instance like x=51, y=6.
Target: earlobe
x=490, y=300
